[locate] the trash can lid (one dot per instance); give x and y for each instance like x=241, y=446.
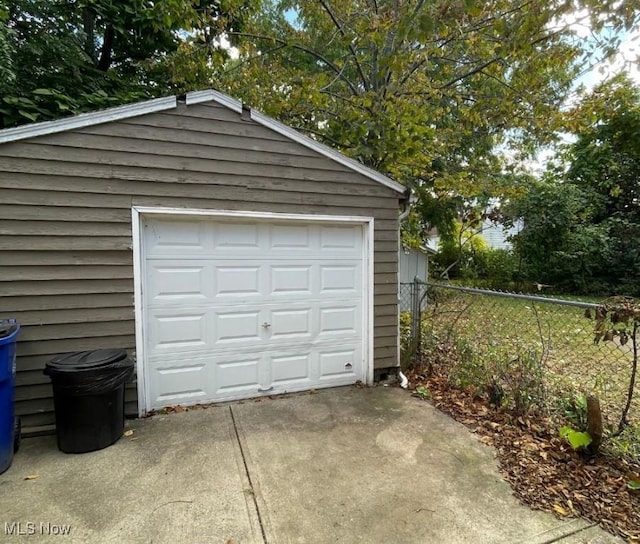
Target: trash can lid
x=85, y=360
x=8, y=327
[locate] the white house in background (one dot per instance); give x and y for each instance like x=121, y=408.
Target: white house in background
x=495, y=235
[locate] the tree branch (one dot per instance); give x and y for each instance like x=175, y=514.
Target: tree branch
x=107, y=47
x=337, y=24
x=470, y=73
x=88, y=24
x=304, y=49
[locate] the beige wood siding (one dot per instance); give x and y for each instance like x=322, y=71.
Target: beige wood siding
x=65, y=223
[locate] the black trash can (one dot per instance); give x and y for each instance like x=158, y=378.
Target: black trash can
x=88, y=396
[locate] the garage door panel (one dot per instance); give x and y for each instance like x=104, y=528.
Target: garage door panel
x=287, y=279
x=237, y=326
x=340, y=363
x=340, y=279
x=290, y=324
x=183, y=381
x=236, y=236
x=176, y=332
x=177, y=282
x=164, y=236
x=290, y=238
x=289, y=371
x=343, y=238
x=237, y=280
x=235, y=377
x=339, y=320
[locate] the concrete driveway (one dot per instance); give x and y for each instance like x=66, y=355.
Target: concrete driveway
x=370, y=465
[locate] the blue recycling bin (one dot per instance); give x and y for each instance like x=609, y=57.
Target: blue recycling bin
x=9, y=427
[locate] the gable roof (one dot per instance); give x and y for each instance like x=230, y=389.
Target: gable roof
x=162, y=104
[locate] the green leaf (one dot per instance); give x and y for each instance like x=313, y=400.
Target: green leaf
x=577, y=439
x=44, y=92
x=28, y=115
x=423, y=392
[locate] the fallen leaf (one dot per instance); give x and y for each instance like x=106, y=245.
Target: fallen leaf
x=31, y=476
x=128, y=433
x=562, y=511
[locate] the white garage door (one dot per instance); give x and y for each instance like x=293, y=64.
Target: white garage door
x=238, y=308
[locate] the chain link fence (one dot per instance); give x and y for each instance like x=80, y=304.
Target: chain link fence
x=529, y=351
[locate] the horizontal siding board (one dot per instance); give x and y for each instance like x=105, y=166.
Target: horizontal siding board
x=38, y=197
x=384, y=352
x=29, y=303
x=382, y=309
x=65, y=243
x=384, y=278
x=386, y=246
x=34, y=333
x=386, y=320
x=386, y=331
x=50, y=258
x=384, y=342
x=389, y=235
x=75, y=315
x=141, y=132
x=387, y=362
x=31, y=365
x=62, y=228
x=31, y=377
x=67, y=213
x=386, y=289
x=34, y=407
x=387, y=257
x=83, y=272
x=53, y=347
x=33, y=392
x=60, y=287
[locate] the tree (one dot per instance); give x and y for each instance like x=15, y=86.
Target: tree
x=605, y=159
x=582, y=222
x=62, y=56
x=422, y=91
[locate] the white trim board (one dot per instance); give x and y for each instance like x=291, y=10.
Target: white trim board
x=137, y=213
x=127, y=111
x=87, y=119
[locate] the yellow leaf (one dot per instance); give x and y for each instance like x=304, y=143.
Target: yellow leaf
x=128, y=433
x=562, y=511
x=31, y=477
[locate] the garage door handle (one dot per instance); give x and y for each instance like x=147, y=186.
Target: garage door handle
x=266, y=325
x=265, y=389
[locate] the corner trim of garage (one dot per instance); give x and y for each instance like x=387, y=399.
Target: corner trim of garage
x=137, y=214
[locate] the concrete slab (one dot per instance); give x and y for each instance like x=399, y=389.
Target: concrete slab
x=376, y=466
x=345, y=465
x=178, y=478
